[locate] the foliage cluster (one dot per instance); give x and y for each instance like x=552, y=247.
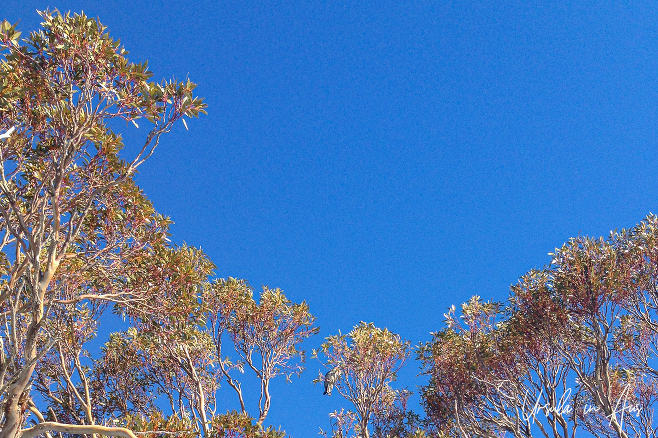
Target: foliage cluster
x=572, y=351
x=79, y=237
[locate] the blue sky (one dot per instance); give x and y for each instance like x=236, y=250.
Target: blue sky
x=384, y=160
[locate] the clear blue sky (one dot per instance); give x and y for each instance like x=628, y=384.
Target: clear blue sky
x=383, y=160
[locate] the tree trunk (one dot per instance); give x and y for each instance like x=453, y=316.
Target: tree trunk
x=364, y=428
x=13, y=416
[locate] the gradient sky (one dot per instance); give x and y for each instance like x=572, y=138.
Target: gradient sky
x=383, y=160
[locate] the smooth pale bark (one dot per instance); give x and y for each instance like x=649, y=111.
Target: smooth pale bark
x=51, y=426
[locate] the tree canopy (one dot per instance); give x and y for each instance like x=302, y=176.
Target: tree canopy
x=572, y=350
x=79, y=238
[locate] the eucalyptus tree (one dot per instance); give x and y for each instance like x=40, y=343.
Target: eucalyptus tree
x=71, y=216
x=364, y=363
x=78, y=237
x=572, y=352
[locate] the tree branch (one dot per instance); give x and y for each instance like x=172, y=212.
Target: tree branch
x=76, y=429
